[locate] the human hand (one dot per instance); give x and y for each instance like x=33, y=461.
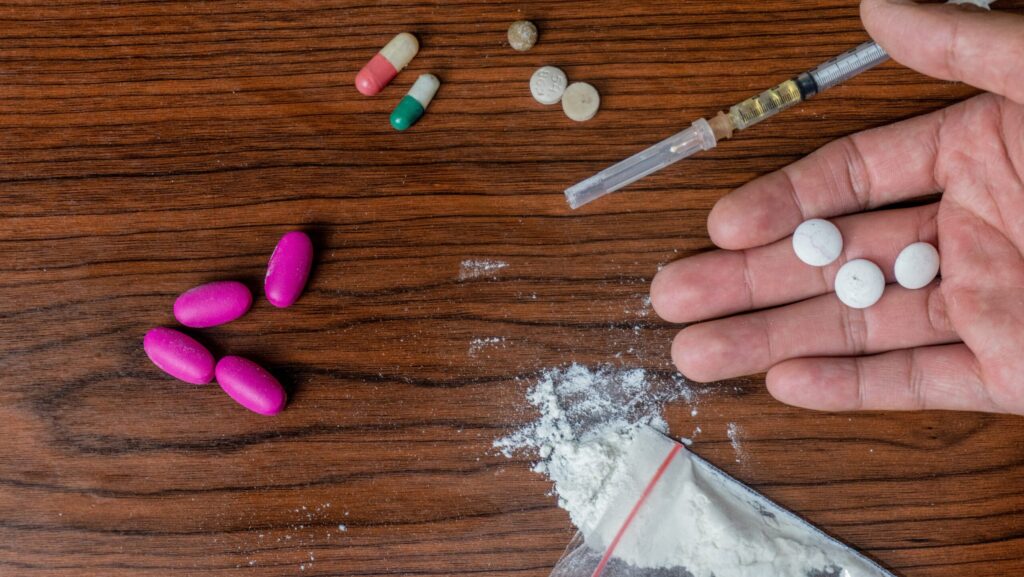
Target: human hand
x=958, y=343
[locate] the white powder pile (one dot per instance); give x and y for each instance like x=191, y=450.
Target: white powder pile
x=588, y=418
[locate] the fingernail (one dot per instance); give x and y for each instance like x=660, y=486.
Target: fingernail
x=972, y=4
x=973, y=8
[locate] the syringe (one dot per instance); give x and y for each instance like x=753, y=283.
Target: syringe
x=705, y=134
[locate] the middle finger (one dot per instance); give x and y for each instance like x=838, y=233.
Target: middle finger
x=822, y=326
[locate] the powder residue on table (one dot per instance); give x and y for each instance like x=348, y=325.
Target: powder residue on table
x=478, y=345
x=733, y=431
x=471, y=269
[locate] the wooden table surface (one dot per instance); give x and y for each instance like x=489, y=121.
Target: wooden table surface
x=149, y=146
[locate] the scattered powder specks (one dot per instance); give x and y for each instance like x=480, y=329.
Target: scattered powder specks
x=641, y=309
x=588, y=417
x=734, y=432
x=471, y=269
x=476, y=346
x=342, y=527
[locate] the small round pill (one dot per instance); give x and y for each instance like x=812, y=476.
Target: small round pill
x=522, y=35
x=212, y=304
x=581, y=101
x=548, y=84
x=179, y=355
x=860, y=283
x=288, y=269
x=251, y=386
x=817, y=242
x=412, y=107
x=917, y=265
x=386, y=64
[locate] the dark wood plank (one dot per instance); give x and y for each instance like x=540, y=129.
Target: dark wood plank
x=148, y=146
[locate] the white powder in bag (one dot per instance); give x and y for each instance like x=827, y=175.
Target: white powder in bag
x=598, y=438
x=698, y=520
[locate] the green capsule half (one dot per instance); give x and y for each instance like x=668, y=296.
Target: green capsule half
x=414, y=104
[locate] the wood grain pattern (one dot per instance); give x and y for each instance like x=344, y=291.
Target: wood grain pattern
x=148, y=146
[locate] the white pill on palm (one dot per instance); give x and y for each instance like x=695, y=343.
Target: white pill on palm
x=817, y=242
x=860, y=283
x=917, y=265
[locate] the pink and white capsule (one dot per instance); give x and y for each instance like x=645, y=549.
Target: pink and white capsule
x=212, y=304
x=179, y=355
x=251, y=386
x=382, y=68
x=288, y=269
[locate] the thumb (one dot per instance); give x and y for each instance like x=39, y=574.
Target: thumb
x=983, y=49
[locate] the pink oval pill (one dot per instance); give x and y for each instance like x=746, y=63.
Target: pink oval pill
x=288, y=269
x=179, y=355
x=212, y=304
x=251, y=385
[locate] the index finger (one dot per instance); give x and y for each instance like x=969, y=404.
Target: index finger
x=983, y=49
x=855, y=173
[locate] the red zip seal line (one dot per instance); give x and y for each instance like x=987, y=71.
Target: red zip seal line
x=636, y=509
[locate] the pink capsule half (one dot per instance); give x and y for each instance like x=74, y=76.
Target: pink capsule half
x=288, y=269
x=251, y=385
x=212, y=304
x=386, y=64
x=179, y=355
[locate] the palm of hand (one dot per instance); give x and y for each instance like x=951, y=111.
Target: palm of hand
x=957, y=344
x=980, y=224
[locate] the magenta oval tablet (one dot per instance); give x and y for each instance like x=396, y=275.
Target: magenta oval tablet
x=288, y=269
x=212, y=304
x=251, y=385
x=179, y=355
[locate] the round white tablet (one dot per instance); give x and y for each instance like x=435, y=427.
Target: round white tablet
x=860, y=283
x=548, y=84
x=917, y=265
x=817, y=242
x=581, y=101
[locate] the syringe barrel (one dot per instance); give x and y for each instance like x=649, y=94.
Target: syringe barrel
x=848, y=64
x=789, y=93
x=764, y=105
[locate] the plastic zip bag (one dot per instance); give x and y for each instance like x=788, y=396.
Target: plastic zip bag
x=676, y=515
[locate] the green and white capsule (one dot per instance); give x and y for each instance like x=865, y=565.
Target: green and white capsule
x=412, y=106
